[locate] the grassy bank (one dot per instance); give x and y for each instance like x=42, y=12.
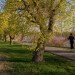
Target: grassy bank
x=17, y=60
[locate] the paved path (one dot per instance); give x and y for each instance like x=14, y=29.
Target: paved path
x=62, y=52
x=69, y=54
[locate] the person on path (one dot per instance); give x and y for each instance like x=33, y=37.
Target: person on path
x=71, y=39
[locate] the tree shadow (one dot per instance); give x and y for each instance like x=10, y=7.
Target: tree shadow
x=55, y=60
x=60, y=51
x=9, y=50
x=16, y=60
x=18, y=55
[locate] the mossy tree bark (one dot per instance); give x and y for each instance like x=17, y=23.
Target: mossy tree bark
x=39, y=51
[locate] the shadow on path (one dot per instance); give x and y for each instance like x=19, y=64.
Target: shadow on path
x=68, y=54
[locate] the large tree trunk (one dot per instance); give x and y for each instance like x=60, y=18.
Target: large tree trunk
x=39, y=51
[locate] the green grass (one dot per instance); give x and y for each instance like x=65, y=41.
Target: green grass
x=17, y=60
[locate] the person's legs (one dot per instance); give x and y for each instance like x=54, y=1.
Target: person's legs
x=72, y=46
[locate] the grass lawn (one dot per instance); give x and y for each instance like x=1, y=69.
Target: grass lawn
x=17, y=60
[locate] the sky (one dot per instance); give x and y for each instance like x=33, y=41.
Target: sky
x=2, y=2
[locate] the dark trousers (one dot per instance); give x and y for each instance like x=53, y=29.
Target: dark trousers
x=71, y=44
